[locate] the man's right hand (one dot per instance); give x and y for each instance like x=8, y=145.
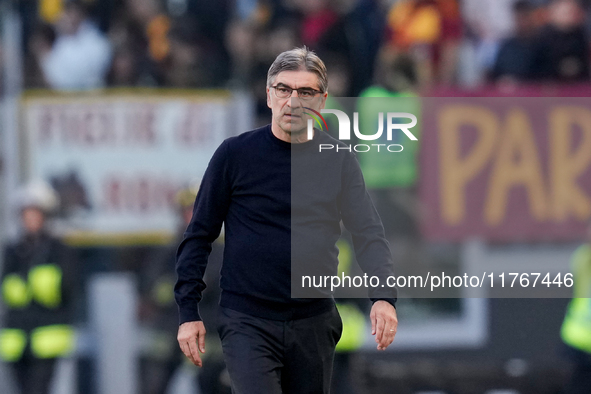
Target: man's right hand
x=190, y=335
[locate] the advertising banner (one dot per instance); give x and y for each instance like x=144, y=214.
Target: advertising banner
x=506, y=169
x=118, y=160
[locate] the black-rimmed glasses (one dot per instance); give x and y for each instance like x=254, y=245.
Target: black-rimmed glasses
x=283, y=92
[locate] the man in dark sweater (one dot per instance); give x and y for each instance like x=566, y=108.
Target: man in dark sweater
x=282, y=202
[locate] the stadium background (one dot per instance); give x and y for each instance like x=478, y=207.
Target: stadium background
x=128, y=113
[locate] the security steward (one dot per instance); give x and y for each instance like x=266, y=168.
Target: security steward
x=37, y=293
x=159, y=313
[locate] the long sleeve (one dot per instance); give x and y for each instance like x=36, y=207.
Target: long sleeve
x=209, y=213
x=361, y=219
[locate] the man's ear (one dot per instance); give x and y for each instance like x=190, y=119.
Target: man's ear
x=323, y=102
x=268, y=97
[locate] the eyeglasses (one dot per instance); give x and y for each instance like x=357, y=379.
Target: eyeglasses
x=283, y=92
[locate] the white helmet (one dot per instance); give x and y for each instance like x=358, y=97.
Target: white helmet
x=38, y=194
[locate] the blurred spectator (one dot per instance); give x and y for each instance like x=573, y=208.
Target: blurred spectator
x=132, y=63
x=154, y=25
x=357, y=36
x=488, y=22
x=124, y=67
x=38, y=293
x=131, y=67
x=245, y=9
x=196, y=44
x=339, y=80
x=211, y=18
x=520, y=57
x=564, y=42
x=50, y=10
x=80, y=56
x=395, y=75
x=317, y=18
x=173, y=52
x=240, y=42
x=263, y=38
x=192, y=62
x=40, y=44
x=430, y=32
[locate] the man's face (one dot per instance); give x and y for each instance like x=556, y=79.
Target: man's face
x=566, y=14
x=288, y=113
x=32, y=219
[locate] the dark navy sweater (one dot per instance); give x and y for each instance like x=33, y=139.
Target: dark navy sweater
x=281, y=205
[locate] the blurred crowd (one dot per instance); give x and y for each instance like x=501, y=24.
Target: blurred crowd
x=398, y=45
x=86, y=44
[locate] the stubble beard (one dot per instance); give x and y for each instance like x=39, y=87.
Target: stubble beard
x=296, y=135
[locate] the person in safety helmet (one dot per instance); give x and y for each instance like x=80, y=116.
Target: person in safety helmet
x=37, y=285
x=159, y=313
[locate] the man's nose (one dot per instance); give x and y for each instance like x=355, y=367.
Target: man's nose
x=294, y=100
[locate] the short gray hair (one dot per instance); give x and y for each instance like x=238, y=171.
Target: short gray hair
x=299, y=59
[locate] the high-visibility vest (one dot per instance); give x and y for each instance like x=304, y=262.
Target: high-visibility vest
x=52, y=341
x=576, y=327
x=354, y=324
x=353, y=328
x=163, y=291
x=44, y=286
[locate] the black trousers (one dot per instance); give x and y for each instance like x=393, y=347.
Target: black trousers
x=157, y=374
x=279, y=357
x=580, y=382
x=33, y=375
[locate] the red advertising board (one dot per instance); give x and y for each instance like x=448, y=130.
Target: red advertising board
x=510, y=169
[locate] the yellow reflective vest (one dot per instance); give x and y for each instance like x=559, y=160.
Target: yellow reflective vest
x=576, y=327
x=42, y=285
x=354, y=323
x=32, y=290
x=52, y=341
x=353, y=327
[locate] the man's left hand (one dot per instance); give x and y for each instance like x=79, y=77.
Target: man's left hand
x=384, y=323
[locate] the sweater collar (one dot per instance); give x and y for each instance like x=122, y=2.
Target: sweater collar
x=289, y=145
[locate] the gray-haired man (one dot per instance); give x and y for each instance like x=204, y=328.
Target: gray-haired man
x=281, y=202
